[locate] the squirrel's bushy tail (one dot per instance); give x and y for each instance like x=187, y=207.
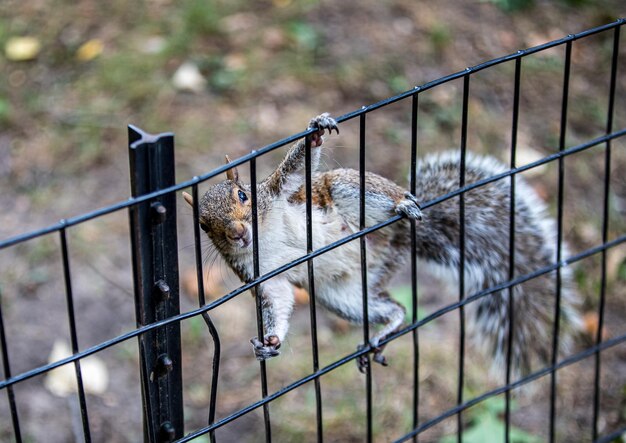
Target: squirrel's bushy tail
x=487, y=233
x=532, y=321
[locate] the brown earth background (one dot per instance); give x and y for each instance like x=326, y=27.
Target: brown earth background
x=260, y=71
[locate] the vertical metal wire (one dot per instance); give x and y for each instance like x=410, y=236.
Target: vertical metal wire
x=511, y=304
x=466, y=84
x=414, y=298
x=311, y=274
x=7, y=374
x=134, y=248
x=366, y=330
x=207, y=319
x=73, y=335
x=605, y=229
x=559, y=241
x=258, y=295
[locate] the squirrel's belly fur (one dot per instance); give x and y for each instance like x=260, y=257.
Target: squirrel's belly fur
x=337, y=280
x=226, y=216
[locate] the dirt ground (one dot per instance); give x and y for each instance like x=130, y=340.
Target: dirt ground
x=260, y=72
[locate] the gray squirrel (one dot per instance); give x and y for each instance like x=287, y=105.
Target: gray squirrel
x=226, y=217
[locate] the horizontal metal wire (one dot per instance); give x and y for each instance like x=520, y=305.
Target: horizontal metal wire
x=413, y=327
x=301, y=260
x=134, y=333
x=517, y=384
x=449, y=413
x=65, y=223
x=612, y=437
x=71, y=221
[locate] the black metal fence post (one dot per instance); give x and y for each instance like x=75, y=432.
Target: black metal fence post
x=155, y=271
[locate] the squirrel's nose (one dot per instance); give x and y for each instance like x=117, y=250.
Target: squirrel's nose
x=237, y=231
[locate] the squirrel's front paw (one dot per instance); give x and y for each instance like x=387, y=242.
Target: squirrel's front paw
x=321, y=122
x=409, y=207
x=268, y=348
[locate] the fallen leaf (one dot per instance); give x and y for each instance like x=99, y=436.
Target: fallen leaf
x=590, y=325
x=20, y=49
x=189, y=78
x=89, y=50
x=62, y=381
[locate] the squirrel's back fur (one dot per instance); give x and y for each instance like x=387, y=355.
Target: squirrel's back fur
x=225, y=214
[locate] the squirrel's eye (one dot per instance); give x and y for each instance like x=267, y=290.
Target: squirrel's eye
x=204, y=227
x=242, y=197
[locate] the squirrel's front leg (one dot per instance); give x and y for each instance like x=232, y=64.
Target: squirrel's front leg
x=277, y=304
x=321, y=122
x=288, y=176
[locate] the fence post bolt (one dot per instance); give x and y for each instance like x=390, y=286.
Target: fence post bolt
x=162, y=290
x=167, y=432
x=164, y=365
x=159, y=213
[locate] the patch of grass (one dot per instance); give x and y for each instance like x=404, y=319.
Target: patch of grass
x=398, y=84
x=440, y=37
x=195, y=19
x=404, y=295
x=5, y=111
x=194, y=331
x=125, y=76
x=487, y=426
x=513, y=5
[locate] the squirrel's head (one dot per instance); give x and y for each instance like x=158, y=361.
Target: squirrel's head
x=225, y=213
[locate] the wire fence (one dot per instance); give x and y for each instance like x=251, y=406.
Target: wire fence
x=152, y=214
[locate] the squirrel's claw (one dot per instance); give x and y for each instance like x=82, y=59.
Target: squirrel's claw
x=380, y=358
x=322, y=122
x=409, y=207
x=267, y=348
x=362, y=361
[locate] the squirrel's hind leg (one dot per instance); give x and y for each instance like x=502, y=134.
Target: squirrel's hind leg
x=385, y=310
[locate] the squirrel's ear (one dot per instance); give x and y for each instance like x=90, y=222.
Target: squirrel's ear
x=232, y=174
x=188, y=198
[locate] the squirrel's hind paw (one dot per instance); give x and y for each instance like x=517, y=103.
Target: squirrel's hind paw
x=362, y=361
x=267, y=348
x=409, y=207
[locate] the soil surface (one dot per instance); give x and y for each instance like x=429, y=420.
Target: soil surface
x=258, y=73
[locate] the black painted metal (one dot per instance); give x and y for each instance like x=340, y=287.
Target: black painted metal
x=154, y=250
x=511, y=311
x=311, y=275
x=605, y=229
x=215, y=367
x=258, y=296
x=366, y=329
x=414, y=264
x=559, y=237
x=461, y=382
x=155, y=272
x=15, y=420
x=73, y=336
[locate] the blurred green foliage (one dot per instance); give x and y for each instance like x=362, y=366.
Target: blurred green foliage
x=486, y=425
